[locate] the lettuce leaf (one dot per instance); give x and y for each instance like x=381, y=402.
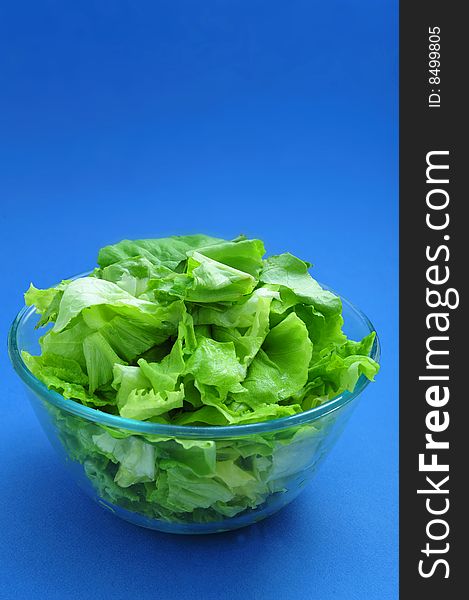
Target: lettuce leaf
x=169, y=252
x=292, y=273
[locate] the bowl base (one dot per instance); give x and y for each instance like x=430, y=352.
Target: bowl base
x=276, y=502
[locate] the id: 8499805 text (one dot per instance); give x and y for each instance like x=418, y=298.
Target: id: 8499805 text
x=434, y=79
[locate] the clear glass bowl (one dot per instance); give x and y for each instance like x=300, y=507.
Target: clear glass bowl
x=280, y=455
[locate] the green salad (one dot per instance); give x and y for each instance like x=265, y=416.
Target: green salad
x=191, y=330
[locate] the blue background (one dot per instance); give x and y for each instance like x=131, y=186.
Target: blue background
x=276, y=119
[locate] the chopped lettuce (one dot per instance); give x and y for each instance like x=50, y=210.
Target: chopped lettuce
x=194, y=330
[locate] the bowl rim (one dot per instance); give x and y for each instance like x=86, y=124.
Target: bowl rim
x=183, y=431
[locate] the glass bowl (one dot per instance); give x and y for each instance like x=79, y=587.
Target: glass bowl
x=185, y=471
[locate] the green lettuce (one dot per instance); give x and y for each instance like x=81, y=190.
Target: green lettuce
x=194, y=330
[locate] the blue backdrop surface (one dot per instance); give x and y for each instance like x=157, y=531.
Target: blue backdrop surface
x=144, y=119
